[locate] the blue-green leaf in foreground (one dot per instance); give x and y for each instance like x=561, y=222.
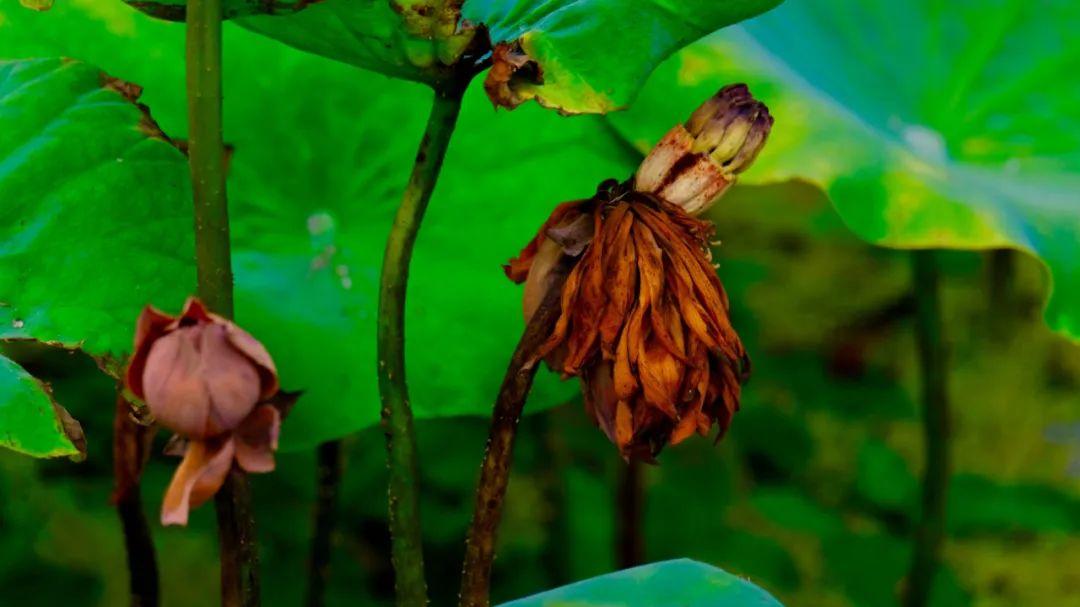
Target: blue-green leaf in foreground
x=30, y=421
x=929, y=125
x=678, y=583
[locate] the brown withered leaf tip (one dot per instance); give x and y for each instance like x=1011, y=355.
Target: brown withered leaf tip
x=644, y=318
x=214, y=384
x=131, y=92
x=510, y=65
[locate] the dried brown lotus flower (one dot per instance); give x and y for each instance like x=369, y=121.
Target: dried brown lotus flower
x=209, y=381
x=643, y=316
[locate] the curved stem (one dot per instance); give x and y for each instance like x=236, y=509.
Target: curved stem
x=407, y=550
x=495, y=470
x=331, y=461
x=930, y=530
x=131, y=447
x=236, y=525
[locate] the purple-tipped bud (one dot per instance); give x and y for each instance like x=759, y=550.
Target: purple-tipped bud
x=731, y=127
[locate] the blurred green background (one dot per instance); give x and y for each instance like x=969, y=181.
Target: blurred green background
x=813, y=493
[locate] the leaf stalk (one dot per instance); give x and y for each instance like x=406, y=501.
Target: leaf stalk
x=495, y=469
x=397, y=418
x=930, y=530
x=206, y=150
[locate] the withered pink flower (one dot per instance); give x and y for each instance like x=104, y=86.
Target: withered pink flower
x=208, y=380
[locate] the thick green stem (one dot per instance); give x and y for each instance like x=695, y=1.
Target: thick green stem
x=495, y=469
x=404, y=503
x=930, y=530
x=236, y=526
x=206, y=155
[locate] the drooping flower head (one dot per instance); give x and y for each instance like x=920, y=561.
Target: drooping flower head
x=208, y=381
x=643, y=316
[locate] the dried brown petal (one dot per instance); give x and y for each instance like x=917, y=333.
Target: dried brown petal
x=197, y=479
x=644, y=323
x=257, y=439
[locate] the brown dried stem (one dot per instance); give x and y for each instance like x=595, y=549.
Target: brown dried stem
x=495, y=469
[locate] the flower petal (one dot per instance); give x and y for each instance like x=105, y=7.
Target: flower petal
x=173, y=383
x=257, y=439
x=152, y=324
x=195, y=310
x=232, y=381
x=254, y=350
x=199, y=476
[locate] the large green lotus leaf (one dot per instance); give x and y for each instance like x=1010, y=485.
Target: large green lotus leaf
x=30, y=422
x=680, y=582
x=314, y=181
x=929, y=125
x=311, y=230
x=366, y=33
x=92, y=197
x=386, y=36
x=591, y=55
x=594, y=55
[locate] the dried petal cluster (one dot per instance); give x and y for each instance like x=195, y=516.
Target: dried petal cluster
x=208, y=380
x=643, y=320
x=643, y=316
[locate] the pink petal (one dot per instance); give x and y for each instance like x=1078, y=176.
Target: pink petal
x=257, y=439
x=254, y=350
x=152, y=324
x=174, y=387
x=197, y=479
x=231, y=380
x=195, y=309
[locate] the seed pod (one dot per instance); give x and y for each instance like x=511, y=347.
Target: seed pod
x=696, y=162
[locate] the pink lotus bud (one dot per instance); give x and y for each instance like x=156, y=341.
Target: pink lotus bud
x=200, y=374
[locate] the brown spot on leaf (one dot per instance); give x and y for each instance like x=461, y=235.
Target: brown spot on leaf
x=72, y=429
x=131, y=92
x=510, y=67
x=37, y=5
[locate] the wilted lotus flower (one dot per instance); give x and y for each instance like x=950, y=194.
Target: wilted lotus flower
x=643, y=317
x=206, y=379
